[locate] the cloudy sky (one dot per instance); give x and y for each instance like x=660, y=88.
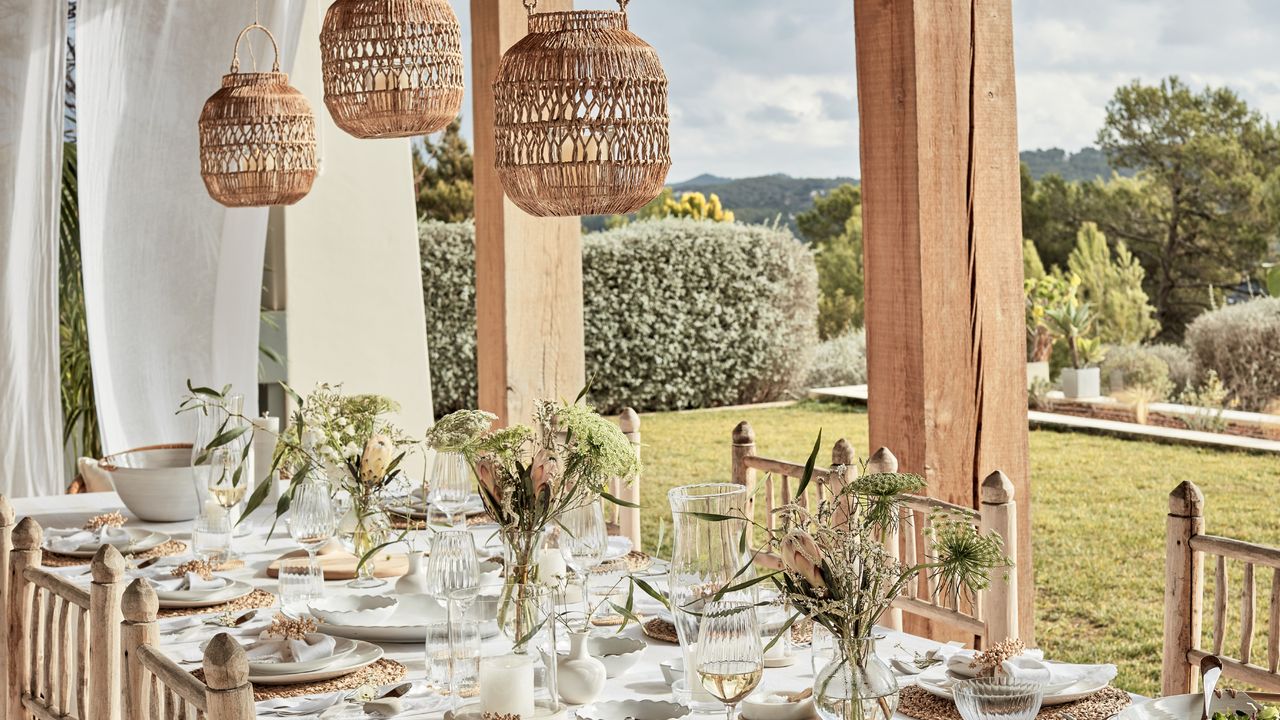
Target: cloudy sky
x=764, y=86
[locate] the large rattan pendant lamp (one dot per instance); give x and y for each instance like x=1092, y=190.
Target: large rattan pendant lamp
x=581, y=116
x=392, y=68
x=257, y=137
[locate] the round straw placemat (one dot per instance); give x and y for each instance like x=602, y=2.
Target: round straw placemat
x=921, y=705
x=259, y=598
x=48, y=558
x=382, y=672
x=404, y=522
x=634, y=561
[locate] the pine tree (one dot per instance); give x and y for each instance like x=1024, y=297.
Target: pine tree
x=444, y=173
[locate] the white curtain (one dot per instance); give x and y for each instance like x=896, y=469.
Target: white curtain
x=32, y=55
x=172, y=279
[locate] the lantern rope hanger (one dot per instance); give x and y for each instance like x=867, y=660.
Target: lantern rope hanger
x=580, y=116
x=257, y=136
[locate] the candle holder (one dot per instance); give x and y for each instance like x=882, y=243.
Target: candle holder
x=522, y=680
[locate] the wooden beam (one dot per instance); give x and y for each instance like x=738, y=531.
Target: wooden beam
x=943, y=256
x=528, y=270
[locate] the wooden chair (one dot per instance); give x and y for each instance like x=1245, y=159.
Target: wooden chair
x=1186, y=545
x=991, y=617
x=625, y=521
x=157, y=688
x=63, y=640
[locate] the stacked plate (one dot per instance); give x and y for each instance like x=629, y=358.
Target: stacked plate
x=415, y=507
x=348, y=656
x=406, y=621
x=135, y=540
x=939, y=681
x=231, y=590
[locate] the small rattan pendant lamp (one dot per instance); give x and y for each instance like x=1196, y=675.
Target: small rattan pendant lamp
x=257, y=137
x=581, y=116
x=392, y=68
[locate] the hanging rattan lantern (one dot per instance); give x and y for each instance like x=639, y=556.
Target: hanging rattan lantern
x=257, y=137
x=581, y=116
x=392, y=68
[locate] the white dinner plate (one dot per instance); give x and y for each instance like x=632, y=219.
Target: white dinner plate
x=363, y=655
x=1183, y=707
x=408, y=624
x=181, y=595
x=937, y=681
x=342, y=647
x=140, y=540
x=416, y=507
x=236, y=590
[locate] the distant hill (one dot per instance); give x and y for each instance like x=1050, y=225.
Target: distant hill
x=1087, y=164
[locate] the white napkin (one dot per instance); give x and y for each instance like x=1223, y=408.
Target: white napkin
x=190, y=581
x=300, y=706
x=313, y=646
x=1031, y=666
x=65, y=540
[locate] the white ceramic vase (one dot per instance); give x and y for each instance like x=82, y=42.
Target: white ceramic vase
x=414, y=582
x=579, y=676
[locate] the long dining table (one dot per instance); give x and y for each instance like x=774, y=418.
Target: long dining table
x=642, y=681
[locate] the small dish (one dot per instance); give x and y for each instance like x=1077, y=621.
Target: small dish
x=236, y=590
x=757, y=706
x=618, y=652
x=998, y=698
x=633, y=710
x=354, y=609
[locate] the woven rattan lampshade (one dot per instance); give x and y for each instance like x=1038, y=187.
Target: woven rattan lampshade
x=392, y=68
x=581, y=116
x=257, y=137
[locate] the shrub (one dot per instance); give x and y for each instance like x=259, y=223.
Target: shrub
x=1182, y=370
x=448, y=253
x=1140, y=367
x=1241, y=343
x=1113, y=286
x=842, y=360
x=686, y=314
x=678, y=314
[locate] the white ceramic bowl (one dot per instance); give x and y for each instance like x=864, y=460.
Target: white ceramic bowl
x=354, y=609
x=617, y=652
x=155, y=483
x=672, y=670
x=754, y=707
x=633, y=710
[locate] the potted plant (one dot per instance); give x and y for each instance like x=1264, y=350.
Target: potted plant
x=1043, y=295
x=1074, y=321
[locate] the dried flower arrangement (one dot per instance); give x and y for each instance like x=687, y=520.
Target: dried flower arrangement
x=202, y=568
x=988, y=662
x=287, y=628
x=111, y=520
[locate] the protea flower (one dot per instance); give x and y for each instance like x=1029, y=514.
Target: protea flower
x=377, y=455
x=800, y=555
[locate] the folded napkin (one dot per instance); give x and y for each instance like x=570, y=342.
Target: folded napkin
x=1031, y=667
x=313, y=646
x=190, y=581
x=300, y=706
x=65, y=540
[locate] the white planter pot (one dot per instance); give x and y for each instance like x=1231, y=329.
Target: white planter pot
x=1037, y=371
x=1081, y=383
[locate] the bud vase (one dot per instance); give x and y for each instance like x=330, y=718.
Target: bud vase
x=856, y=684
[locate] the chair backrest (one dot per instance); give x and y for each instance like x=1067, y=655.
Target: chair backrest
x=625, y=521
x=991, y=617
x=63, y=640
x=1186, y=545
x=157, y=688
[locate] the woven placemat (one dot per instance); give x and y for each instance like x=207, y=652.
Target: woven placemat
x=48, y=558
x=921, y=705
x=634, y=561
x=404, y=522
x=259, y=598
x=382, y=672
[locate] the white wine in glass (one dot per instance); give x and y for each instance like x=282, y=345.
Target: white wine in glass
x=730, y=659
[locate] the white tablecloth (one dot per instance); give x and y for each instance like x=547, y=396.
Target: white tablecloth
x=644, y=680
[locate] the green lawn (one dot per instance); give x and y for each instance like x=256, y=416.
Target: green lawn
x=1098, y=512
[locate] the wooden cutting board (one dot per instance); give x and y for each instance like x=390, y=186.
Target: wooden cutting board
x=341, y=565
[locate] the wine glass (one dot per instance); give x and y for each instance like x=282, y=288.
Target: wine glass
x=312, y=519
x=453, y=570
x=730, y=658
x=450, y=484
x=227, y=484
x=584, y=539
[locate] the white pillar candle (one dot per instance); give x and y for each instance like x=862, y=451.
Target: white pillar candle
x=552, y=569
x=506, y=685
x=265, y=431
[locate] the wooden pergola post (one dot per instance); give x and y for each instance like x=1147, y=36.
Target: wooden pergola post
x=528, y=270
x=942, y=233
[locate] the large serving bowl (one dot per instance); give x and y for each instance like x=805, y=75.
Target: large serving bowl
x=617, y=652
x=154, y=482
x=360, y=610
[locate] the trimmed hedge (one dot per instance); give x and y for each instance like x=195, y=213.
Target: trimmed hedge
x=1242, y=344
x=841, y=360
x=678, y=314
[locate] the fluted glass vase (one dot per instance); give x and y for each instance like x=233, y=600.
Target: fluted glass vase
x=856, y=684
